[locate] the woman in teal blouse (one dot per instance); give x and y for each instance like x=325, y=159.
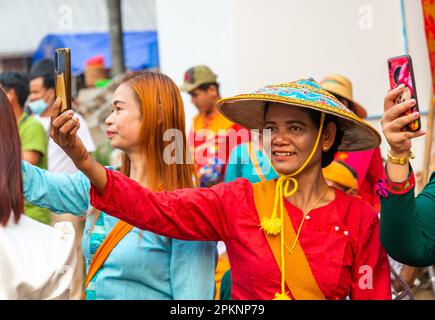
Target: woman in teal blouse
x=407, y=223
x=142, y=265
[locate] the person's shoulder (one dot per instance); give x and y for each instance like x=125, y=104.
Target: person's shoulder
x=32, y=229
x=44, y=121
x=356, y=210
x=236, y=187
x=355, y=202
x=37, y=255
x=33, y=124
x=47, y=243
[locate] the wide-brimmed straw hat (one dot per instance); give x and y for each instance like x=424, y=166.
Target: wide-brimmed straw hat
x=248, y=110
x=341, y=86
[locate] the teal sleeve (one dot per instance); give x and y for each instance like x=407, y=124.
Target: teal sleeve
x=408, y=226
x=58, y=192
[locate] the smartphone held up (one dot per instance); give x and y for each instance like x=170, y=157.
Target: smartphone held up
x=401, y=71
x=63, y=77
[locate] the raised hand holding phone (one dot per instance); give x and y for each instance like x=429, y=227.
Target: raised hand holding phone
x=401, y=72
x=401, y=118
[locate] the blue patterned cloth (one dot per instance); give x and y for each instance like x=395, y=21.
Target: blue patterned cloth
x=305, y=90
x=143, y=265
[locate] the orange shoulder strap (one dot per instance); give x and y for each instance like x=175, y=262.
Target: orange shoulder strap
x=298, y=275
x=253, y=155
x=118, y=232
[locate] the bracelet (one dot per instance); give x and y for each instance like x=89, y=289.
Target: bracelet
x=400, y=161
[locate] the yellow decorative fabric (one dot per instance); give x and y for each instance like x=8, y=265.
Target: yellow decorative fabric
x=213, y=122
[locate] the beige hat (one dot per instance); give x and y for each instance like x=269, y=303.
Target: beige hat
x=341, y=86
x=196, y=76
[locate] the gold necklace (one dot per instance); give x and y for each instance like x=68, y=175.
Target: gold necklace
x=303, y=219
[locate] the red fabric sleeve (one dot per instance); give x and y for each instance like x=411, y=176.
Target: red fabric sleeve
x=375, y=173
x=186, y=214
x=371, y=270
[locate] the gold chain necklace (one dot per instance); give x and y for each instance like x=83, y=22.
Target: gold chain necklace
x=303, y=219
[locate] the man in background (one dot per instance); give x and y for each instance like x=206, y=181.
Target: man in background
x=32, y=134
x=212, y=136
x=41, y=100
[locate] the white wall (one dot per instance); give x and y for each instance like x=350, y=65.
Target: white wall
x=282, y=40
x=251, y=43
x=195, y=32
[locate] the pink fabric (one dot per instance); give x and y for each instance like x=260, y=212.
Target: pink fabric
x=369, y=169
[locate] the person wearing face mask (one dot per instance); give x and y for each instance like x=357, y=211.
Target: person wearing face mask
x=42, y=95
x=33, y=137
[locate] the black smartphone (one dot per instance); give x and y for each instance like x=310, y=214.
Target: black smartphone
x=63, y=77
x=401, y=71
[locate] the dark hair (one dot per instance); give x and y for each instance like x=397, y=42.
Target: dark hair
x=327, y=157
x=18, y=82
x=45, y=69
x=205, y=86
x=11, y=184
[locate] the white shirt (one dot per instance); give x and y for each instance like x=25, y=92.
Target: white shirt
x=58, y=161
x=36, y=261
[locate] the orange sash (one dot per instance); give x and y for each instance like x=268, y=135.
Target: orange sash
x=253, y=155
x=298, y=275
x=118, y=232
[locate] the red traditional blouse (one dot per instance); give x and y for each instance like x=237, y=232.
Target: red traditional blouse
x=340, y=240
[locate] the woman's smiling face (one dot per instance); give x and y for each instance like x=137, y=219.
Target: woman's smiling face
x=293, y=135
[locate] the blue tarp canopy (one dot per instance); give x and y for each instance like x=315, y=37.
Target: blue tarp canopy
x=140, y=49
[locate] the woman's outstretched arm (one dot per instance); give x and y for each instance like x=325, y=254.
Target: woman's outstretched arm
x=186, y=214
x=59, y=192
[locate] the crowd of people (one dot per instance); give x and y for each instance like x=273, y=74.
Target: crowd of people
x=281, y=193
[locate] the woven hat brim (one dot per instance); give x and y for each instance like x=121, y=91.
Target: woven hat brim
x=248, y=111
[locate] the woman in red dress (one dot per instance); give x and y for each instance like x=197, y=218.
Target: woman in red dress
x=290, y=238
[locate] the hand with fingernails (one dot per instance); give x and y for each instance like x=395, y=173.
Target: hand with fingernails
x=392, y=122
x=63, y=131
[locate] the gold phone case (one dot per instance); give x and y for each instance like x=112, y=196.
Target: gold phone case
x=63, y=77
